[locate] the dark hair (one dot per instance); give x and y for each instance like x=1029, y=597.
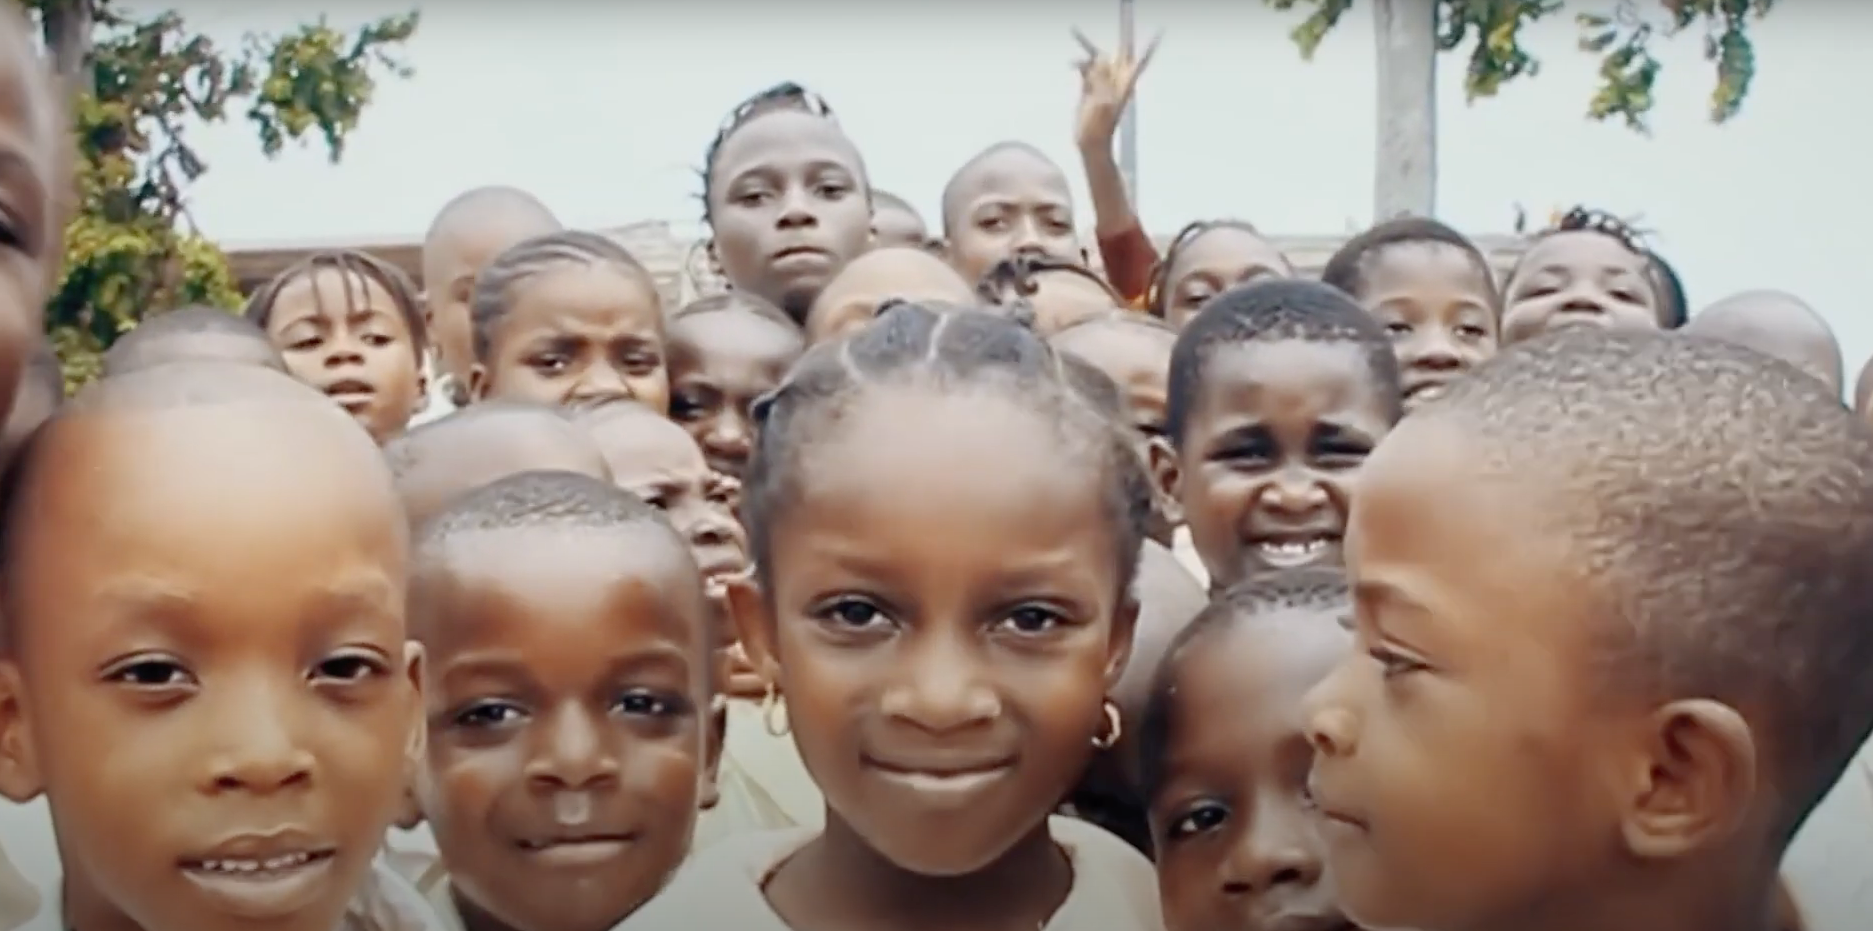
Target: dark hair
x=1719, y=505
x=161, y=339
x=542, y=499
x=1276, y=310
x=783, y=96
x=1017, y=278
x=1155, y=297
x=1348, y=266
x=348, y=262
x=912, y=344
x=1250, y=599
x=1674, y=308
x=1590, y=220
x=494, y=287
x=736, y=300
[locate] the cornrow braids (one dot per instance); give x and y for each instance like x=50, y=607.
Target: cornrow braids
x=783, y=96
x=349, y=263
x=1156, y=299
x=494, y=288
x=736, y=300
x=940, y=351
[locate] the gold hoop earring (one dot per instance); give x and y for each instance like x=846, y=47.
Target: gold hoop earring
x=774, y=713
x=1114, y=729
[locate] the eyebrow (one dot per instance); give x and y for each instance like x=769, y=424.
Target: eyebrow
x=496, y=661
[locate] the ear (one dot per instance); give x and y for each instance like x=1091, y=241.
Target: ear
x=1166, y=478
x=1696, y=780
x=416, y=748
x=714, y=256
x=20, y=780
x=409, y=811
x=461, y=289
x=422, y=392
x=429, y=312
x=709, y=793
x=1119, y=647
x=478, y=382
x=754, y=624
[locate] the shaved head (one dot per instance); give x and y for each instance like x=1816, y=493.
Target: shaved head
x=1778, y=324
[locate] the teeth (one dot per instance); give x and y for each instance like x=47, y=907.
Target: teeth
x=269, y=865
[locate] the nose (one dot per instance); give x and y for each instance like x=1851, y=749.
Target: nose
x=259, y=748
x=1434, y=351
x=730, y=437
x=572, y=753
x=942, y=692
x=341, y=351
x=1275, y=853
x=1332, y=728
x=1028, y=240
x=797, y=210
x=1581, y=300
x=710, y=527
x=599, y=382
x=1293, y=493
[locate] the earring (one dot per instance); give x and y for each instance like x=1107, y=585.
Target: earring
x=1114, y=729
x=774, y=712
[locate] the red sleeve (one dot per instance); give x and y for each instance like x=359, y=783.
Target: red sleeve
x=1130, y=259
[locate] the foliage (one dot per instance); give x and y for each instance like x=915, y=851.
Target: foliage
x=131, y=248
x=1621, y=36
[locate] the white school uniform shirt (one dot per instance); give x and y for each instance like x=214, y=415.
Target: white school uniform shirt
x=437, y=403
x=1829, y=866
x=1114, y=888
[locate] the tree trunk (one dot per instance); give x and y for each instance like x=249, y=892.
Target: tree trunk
x=67, y=28
x=1405, y=166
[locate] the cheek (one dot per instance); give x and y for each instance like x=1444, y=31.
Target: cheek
x=461, y=786
x=667, y=772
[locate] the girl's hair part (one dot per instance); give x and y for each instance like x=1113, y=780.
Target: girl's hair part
x=494, y=288
x=350, y=264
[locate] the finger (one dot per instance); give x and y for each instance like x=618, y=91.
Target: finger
x=1086, y=45
x=1151, y=48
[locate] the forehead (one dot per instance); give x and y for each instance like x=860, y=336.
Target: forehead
x=1278, y=371
x=785, y=139
x=1226, y=246
x=1406, y=262
x=734, y=332
x=1012, y=173
x=1265, y=664
x=332, y=290
x=643, y=447
x=583, y=290
x=1582, y=249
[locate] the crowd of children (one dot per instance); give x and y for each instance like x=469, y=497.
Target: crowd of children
x=931, y=579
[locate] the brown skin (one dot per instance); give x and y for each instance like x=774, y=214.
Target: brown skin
x=1776, y=324
x=1212, y=262
x=463, y=242
x=33, y=172
x=1266, y=467
x=788, y=207
x=232, y=645
x=1005, y=203
x=1438, y=305
x=1472, y=768
x=343, y=334
x=489, y=450
x=1062, y=299
x=577, y=334
x=972, y=627
x=895, y=226
x=1863, y=391
x=1578, y=278
x=1238, y=848
x=655, y=460
x=852, y=299
x=1136, y=357
x=720, y=362
x=566, y=694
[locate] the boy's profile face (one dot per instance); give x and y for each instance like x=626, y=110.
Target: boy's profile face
x=569, y=675
x=230, y=648
x=1466, y=758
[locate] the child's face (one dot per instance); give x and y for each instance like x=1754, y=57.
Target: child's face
x=30, y=235
x=788, y=207
x=943, y=654
x=1274, y=440
x=1435, y=301
x=1458, y=749
x=461, y=254
x=566, y=690
x=1061, y=299
x=1136, y=358
x=1578, y=278
x=720, y=362
x=579, y=334
x=231, y=646
x=1009, y=203
x=1237, y=846
x=895, y=226
x=654, y=459
x=851, y=301
x=342, y=334
x=1212, y=262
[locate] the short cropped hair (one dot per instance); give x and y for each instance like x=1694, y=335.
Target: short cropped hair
x=1721, y=503
x=542, y=499
x=162, y=338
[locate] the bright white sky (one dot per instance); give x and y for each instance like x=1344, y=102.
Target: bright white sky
x=603, y=110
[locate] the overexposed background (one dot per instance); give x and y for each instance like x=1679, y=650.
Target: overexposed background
x=604, y=110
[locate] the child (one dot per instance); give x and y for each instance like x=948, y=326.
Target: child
x=1675, y=582
x=944, y=654
x=852, y=299
x=1060, y=293
x=725, y=351
x=567, y=685
x=568, y=318
x=895, y=223
x=1432, y=290
x=349, y=324
x=1009, y=200
x=191, y=334
x=1589, y=270
x=467, y=233
x=1135, y=352
x=472, y=447
x=1225, y=757
x=231, y=645
x=41, y=391
x=1777, y=323
x=1278, y=391
x=37, y=191
x=785, y=197
x=1206, y=258
x=1673, y=308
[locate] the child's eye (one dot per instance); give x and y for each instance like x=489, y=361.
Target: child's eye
x=150, y=673
x=1200, y=819
x=751, y=198
x=10, y=235
x=854, y=613
x=642, y=363
x=647, y=704
x=1032, y=619
x=991, y=224
x=348, y=667
x=1398, y=328
x=1472, y=331
x=552, y=365
x=833, y=191
x=685, y=408
x=304, y=345
x=1393, y=664
x=377, y=339
x=490, y=713
x=1630, y=297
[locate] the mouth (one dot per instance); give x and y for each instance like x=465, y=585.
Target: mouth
x=943, y=779
x=718, y=561
x=351, y=393
x=1291, y=551
x=577, y=850
x=795, y=256
x=257, y=878
x=1429, y=390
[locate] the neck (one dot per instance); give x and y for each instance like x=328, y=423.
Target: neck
x=842, y=882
